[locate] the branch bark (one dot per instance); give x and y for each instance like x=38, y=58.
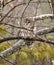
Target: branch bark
x=7, y=3
x=40, y=17
x=10, y=11
x=16, y=26
x=16, y=46
x=45, y=31
x=40, y=32
x=12, y=49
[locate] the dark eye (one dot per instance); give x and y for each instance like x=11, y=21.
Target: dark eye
x=28, y=21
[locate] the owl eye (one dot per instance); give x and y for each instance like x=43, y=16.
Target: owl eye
x=28, y=22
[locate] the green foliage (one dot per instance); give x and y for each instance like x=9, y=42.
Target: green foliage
x=3, y=62
x=32, y=54
x=2, y=30
x=28, y=55
x=4, y=46
x=37, y=56
x=46, y=50
x=23, y=58
x=50, y=36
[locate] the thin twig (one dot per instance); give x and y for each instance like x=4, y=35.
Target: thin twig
x=7, y=3
x=28, y=38
x=11, y=10
x=6, y=60
x=16, y=26
x=25, y=10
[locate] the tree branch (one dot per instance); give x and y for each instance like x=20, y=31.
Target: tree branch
x=6, y=60
x=45, y=31
x=7, y=3
x=40, y=17
x=16, y=47
x=12, y=49
x=28, y=38
x=40, y=32
x=11, y=10
x=15, y=26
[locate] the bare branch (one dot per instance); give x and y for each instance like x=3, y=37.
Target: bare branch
x=40, y=32
x=16, y=47
x=28, y=38
x=11, y=10
x=40, y=17
x=7, y=3
x=12, y=49
x=45, y=31
x=6, y=60
x=25, y=10
x=16, y=26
